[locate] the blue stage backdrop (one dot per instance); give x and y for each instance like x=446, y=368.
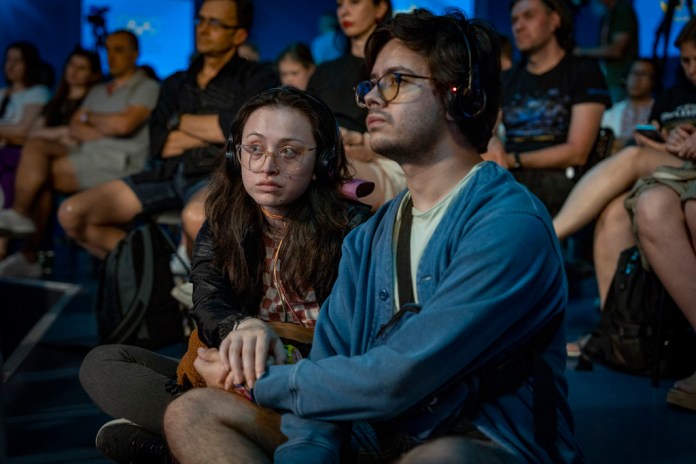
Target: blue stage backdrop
x=650, y=15
x=164, y=29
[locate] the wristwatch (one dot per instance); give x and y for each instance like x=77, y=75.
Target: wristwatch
x=517, y=164
x=173, y=122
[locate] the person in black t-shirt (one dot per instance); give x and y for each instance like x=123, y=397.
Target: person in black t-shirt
x=552, y=103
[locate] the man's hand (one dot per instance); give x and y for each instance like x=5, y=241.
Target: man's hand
x=209, y=366
x=177, y=142
x=682, y=141
x=245, y=351
x=644, y=141
x=357, y=145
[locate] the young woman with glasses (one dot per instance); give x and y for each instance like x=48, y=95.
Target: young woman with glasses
x=263, y=262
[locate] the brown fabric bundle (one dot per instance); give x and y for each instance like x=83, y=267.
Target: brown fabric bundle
x=186, y=374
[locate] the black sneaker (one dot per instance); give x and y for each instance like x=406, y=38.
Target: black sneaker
x=128, y=443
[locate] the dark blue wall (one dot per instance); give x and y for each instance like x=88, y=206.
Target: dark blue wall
x=54, y=26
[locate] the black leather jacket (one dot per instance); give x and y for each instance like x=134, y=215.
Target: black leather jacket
x=216, y=306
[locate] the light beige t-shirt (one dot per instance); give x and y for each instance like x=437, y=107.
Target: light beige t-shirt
x=424, y=225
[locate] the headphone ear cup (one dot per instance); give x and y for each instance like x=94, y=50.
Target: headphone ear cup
x=465, y=102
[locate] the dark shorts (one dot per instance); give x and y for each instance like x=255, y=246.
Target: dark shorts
x=159, y=192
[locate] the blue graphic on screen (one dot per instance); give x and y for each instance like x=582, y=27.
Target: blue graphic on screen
x=436, y=6
x=650, y=15
x=164, y=28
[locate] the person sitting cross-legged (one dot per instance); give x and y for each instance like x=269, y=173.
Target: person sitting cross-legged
x=264, y=261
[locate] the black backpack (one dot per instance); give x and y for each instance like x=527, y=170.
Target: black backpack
x=641, y=330
x=134, y=305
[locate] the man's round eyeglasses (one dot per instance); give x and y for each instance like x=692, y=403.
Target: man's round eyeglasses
x=287, y=159
x=202, y=21
x=387, y=86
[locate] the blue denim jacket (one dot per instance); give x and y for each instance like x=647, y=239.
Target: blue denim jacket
x=491, y=275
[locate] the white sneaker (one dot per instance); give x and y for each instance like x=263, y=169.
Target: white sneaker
x=16, y=265
x=183, y=293
x=15, y=224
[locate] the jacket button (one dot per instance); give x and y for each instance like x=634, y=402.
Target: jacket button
x=383, y=295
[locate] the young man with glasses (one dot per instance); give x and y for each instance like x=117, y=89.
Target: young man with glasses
x=187, y=131
x=442, y=339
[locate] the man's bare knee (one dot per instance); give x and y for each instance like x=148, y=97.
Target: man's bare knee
x=183, y=411
x=653, y=208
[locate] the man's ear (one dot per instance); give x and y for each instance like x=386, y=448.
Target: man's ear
x=240, y=36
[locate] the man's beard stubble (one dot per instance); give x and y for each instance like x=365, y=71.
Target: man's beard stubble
x=411, y=147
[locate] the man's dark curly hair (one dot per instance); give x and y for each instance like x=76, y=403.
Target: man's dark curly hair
x=443, y=41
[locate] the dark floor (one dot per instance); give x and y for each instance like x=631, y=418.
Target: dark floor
x=49, y=419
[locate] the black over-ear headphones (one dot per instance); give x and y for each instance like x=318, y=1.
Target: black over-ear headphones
x=467, y=99
x=328, y=164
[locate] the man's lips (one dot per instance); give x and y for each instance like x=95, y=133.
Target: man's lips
x=374, y=119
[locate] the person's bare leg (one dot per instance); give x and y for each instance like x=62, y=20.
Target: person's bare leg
x=62, y=178
x=604, y=182
x=668, y=238
x=668, y=245
x=193, y=217
x=34, y=172
x=214, y=426
x=96, y=217
x=43, y=207
x=613, y=234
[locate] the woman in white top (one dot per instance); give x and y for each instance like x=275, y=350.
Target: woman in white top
x=24, y=97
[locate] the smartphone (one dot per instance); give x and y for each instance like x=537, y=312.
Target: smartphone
x=650, y=132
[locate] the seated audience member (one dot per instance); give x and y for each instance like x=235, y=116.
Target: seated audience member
x=24, y=97
x=295, y=65
x=268, y=254
x=82, y=70
x=552, y=103
x=603, y=188
x=108, y=138
x=334, y=82
x=664, y=208
x=623, y=116
x=21, y=103
x=456, y=277
x=186, y=136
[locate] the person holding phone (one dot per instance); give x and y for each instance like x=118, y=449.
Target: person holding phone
x=604, y=188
